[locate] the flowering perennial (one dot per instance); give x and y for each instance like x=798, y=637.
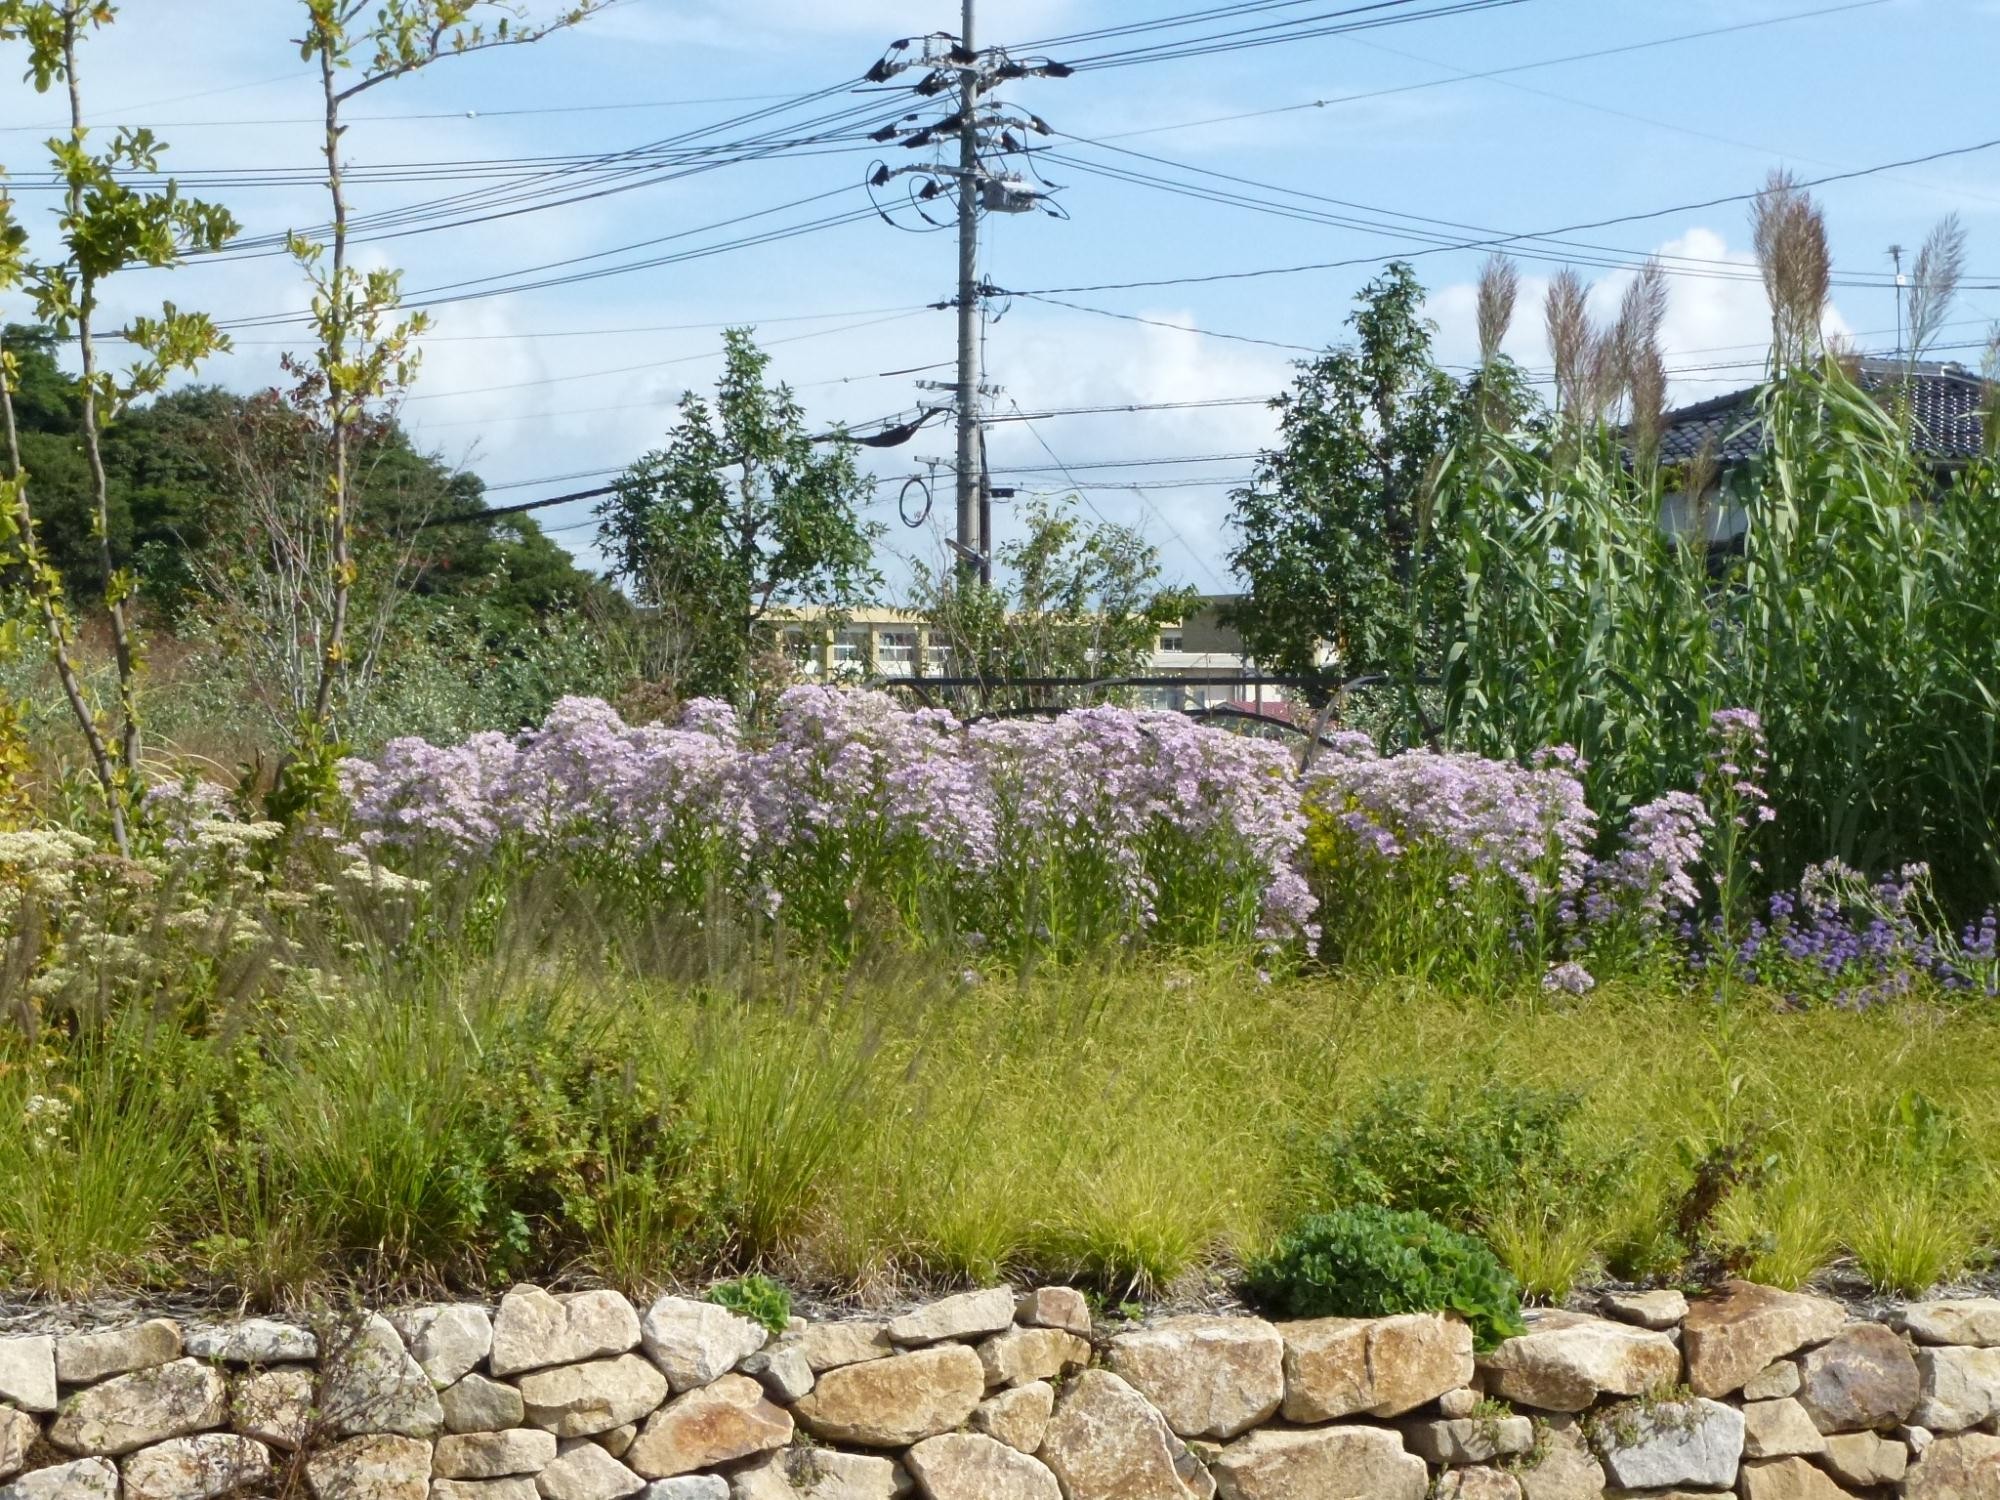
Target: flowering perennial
x=1102, y=823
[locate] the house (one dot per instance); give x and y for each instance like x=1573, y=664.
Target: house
x=877, y=643
x=1947, y=405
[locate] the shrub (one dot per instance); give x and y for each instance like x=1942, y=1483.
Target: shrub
x=757, y=1298
x=1371, y=1262
x=1466, y=1157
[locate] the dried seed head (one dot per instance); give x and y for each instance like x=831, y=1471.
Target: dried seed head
x=1570, y=341
x=1789, y=235
x=1499, y=286
x=1934, y=281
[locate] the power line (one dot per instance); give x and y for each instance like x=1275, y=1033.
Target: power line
x=1546, y=62
x=682, y=359
x=441, y=114
x=1276, y=33
x=1498, y=241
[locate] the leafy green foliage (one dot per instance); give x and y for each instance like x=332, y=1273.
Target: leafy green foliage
x=758, y=1298
x=1079, y=599
x=1858, y=621
x=1371, y=1262
x=1465, y=1157
x=1340, y=537
x=742, y=515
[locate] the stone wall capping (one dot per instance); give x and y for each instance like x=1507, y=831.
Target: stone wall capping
x=1000, y=1394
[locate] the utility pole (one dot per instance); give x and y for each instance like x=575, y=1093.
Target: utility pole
x=971, y=541
x=988, y=132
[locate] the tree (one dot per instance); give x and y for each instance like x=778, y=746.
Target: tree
x=1081, y=599
x=105, y=227
x=742, y=513
x=1337, y=533
x=365, y=352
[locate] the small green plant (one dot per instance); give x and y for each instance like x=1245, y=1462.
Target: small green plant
x=1467, y=1158
x=1370, y=1262
x=1666, y=1408
x=758, y=1298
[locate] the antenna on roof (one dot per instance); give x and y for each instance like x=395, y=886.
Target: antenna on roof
x=1896, y=259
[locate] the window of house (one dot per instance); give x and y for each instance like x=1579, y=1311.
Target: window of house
x=1172, y=643
x=850, y=648
x=896, y=650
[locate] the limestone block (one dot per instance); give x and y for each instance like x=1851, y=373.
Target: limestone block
x=968, y=1315
x=448, y=1341
x=694, y=1342
x=373, y=1385
x=476, y=1404
x=85, y=1479
x=593, y=1397
x=1339, y=1367
x=1861, y=1380
x=1659, y=1310
x=273, y=1406
x=717, y=1424
x=967, y=1466
x=28, y=1372
x=587, y=1472
x=493, y=1455
x=892, y=1403
x=200, y=1467
x=1566, y=1360
x=143, y=1407
x=1018, y=1417
x=1106, y=1442
x=1054, y=1307
x=252, y=1341
x=1695, y=1444
x=1779, y=1429
x=1356, y=1463
x=82, y=1358
x=533, y=1329
x=1209, y=1377
x=373, y=1466
x=1954, y=1320
x=1734, y=1333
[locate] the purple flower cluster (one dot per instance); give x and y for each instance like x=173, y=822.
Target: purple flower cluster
x=1842, y=938
x=584, y=782
x=1527, y=824
x=1149, y=795
x=853, y=797
x=1652, y=874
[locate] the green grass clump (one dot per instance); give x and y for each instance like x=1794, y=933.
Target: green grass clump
x=757, y=1298
x=452, y=1119
x=1371, y=1262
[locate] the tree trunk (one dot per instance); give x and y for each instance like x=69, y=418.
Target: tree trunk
x=100, y=486
x=339, y=415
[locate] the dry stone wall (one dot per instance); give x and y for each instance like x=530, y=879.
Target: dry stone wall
x=1006, y=1395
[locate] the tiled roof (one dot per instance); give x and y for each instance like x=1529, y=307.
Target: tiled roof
x=1945, y=407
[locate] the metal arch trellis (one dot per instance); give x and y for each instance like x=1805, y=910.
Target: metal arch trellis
x=1316, y=737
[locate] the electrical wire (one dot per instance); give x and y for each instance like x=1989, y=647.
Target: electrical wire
x=1276, y=33
x=1499, y=241
x=1546, y=62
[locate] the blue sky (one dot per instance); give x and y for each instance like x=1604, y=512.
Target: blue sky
x=582, y=378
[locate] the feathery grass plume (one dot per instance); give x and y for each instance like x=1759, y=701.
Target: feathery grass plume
x=1642, y=312
x=1570, y=339
x=1934, y=282
x=1499, y=288
x=1789, y=234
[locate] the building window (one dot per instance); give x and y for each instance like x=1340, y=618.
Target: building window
x=850, y=648
x=1172, y=643
x=896, y=650
x=937, y=659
